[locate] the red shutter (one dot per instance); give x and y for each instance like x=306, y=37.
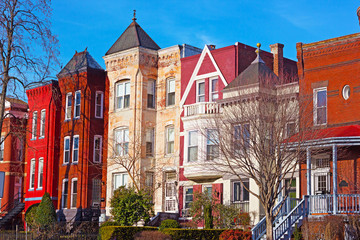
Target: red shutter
x=217, y=192
x=181, y=196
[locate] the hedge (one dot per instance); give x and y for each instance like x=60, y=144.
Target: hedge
x=193, y=234
x=122, y=232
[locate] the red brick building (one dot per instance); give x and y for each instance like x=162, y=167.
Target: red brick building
x=81, y=184
x=42, y=140
x=329, y=73
x=12, y=164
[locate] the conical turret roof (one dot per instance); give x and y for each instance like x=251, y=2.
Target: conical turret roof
x=133, y=36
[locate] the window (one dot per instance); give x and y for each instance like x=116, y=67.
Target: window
x=68, y=106
x=290, y=129
x=40, y=172
x=170, y=139
x=240, y=194
x=320, y=105
x=77, y=104
x=170, y=92
x=200, y=91
x=2, y=144
x=150, y=142
x=323, y=162
x=149, y=180
x=42, y=123
x=214, y=89
x=74, y=189
x=193, y=146
x=34, y=125
x=66, y=150
x=32, y=174
x=151, y=94
x=189, y=197
x=121, y=141
x=120, y=179
x=241, y=138
x=290, y=188
x=208, y=191
x=75, y=153
x=212, y=145
x=122, y=94
x=96, y=192
x=322, y=183
x=97, y=148
x=64, y=194
x=99, y=104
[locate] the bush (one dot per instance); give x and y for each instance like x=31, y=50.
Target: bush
x=122, y=232
x=45, y=215
x=169, y=223
x=196, y=234
x=129, y=207
x=235, y=234
x=30, y=215
x=109, y=223
x=151, y=235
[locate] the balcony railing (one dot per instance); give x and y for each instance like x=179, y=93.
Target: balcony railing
x=243, y=206
x=346, y=203
x=201, y=108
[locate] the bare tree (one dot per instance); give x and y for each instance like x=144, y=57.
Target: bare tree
x=28, y=48
x=252, y=136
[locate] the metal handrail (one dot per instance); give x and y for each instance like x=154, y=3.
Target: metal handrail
x=11, y=203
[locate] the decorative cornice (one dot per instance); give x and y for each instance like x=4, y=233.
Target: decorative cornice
x=330, y=66
x=331, y=48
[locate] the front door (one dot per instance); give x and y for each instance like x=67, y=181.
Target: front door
x=170, y=192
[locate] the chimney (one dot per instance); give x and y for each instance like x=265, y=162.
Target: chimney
x=212, y=46
x=277, y=51
x=358, y=14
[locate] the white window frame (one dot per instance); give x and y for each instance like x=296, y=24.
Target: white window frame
x=97, y=93
x=211, y=143
x=65, y=151
x=40, y=173
x=168, y=91
x=198, y=89
x=32, y=174
x=167, y=139
x=72, y=193
x=77, y=105
x=206, y=187
x=64, y=198
x=192, y=146
x=100, y=148
x=242, y=189
x=124, y=94
x=319, y=171
x=186, y=188
x=42, y=123
x=73, y=149
x=315, y=108
x=170, y=196
x=2, y=148
x=211, y=90
x=34, y=125
x=122, y=132
x=152, y=91
x=68, y=107
x=122, y=177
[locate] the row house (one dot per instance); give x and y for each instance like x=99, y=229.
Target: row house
x=144, y=115
x=210, y=81
x=12, y=156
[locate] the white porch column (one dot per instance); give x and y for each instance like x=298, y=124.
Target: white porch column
x=334, y=158
x=308, y=173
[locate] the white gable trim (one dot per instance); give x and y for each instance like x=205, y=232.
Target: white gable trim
x=195, y=77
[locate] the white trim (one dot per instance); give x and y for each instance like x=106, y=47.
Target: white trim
x=72, y=191
x=62, y=192
x=194, y=76
x=42, y=172
x=315, y=91
x=42, y=123
x=66, y=105
x=197, y=90
x=100, y=153
x=32, y=171
x=75, y=105
x=102, y=104
x=73, y=149
x=211, y=90
x=34, y=125
x=65, y=138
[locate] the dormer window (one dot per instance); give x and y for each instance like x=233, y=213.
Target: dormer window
x=214, y=89
x=200, y=91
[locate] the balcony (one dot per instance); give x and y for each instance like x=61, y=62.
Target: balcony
x=201, y=171
x=201, y=108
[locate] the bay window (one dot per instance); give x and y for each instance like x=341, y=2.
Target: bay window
x=193, y=146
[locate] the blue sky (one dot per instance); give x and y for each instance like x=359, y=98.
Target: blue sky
x=97, y=24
